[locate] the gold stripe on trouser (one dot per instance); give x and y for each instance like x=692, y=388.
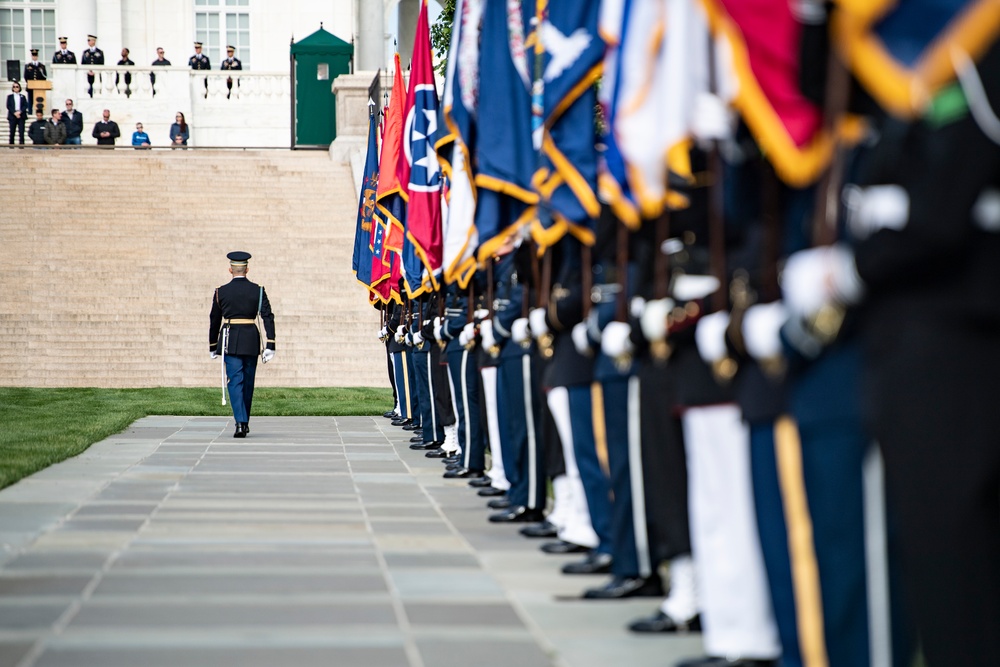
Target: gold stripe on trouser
x=600, y=434
x=801, y=547
x=406, y=386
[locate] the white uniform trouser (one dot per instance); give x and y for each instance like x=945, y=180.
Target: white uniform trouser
x=496, y=472
x=736, y=614
x=571, y=514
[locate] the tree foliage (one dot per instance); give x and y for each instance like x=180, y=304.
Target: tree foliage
x=441, y=34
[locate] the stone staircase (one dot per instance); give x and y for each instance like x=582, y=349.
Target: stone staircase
x=108, y=262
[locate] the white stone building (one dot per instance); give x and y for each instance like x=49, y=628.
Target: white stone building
x=255, y=112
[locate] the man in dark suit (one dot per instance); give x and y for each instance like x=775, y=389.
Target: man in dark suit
x=63, y=56
x=74, y=124
x=235, y=307
x=17, y=110
x=92, y=56
x=33, y=69
x=106, y=131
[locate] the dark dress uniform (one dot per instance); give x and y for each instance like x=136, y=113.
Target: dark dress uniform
x=34, y=71
x=235, y=306
x=61, y=58
x=92, y=56
x=199, y=61
x=231, y=63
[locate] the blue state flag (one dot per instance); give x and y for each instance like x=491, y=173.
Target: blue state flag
x=363, y=242
x=505, y=159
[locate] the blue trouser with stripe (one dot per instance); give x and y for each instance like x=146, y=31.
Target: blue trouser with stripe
x=625, y=561
x=433, y=430
x=405, y=384
x=596, y=485
x=521, y=413
x=241, y=369
x=464, y=381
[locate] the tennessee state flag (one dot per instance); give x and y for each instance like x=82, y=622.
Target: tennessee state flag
x=419, y=171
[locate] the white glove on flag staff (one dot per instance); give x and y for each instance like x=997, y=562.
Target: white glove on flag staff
x=616, y=340
x=519, y=330
x=536, y=320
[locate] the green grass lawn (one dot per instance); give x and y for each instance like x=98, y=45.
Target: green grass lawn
x=39, y=427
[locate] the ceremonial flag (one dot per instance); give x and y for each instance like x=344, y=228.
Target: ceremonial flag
x=419, y=170
x=460, y=105
x=566, y=180
x=763, y=38
x=390, y=203
x=903, y=53
x=362, y=260
x=505, y=157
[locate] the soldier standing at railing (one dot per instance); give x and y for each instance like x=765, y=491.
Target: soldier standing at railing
x=200, y=61
x=231, y=63
x=63, y=56
x=92, y=56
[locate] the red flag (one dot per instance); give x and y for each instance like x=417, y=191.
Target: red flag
x=418, y=169
x=389, y=199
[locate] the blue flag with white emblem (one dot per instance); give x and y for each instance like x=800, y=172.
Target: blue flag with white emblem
x=363, y=235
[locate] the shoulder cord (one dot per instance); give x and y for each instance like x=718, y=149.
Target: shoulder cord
x=979, y=103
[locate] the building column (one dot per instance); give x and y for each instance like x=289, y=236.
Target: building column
x=369, y=52
x=76, y=19
x=407, y=14
x=109, y=29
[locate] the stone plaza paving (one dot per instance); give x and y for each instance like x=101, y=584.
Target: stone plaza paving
x=316, y=541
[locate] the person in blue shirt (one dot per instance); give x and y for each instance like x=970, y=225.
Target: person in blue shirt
x=139, y=138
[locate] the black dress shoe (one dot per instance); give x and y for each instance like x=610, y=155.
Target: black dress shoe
x=563, y=547
x=490, y=492
x=436, y=453
x=480, y=483
x=239, y=432
x=401, y=422
x=478, y=479
x=452, y=466
x=595, y=563
x=390, y=414
x=544, y=529
x=661, y=622
x=453, y=458
x=498, y=504
x=427, y=446
x=463, y=473
x=726, y=662
x=412, y=427
x=627, y=587
x=519, y=514
x=417, y=437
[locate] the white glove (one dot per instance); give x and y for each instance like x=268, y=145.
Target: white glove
x=654, y=319
x=267, y=355
x=519, y=330
x=710, y=336
x=408, y=339
x=688, y=287
x=481, y=314
x=876, y=207
x=536, y=321
x=761, y=327
x=215, y=355
x=418, y=339
x=711, y=118
x=383, y=333
x=615, y=341
x=468, y=334
x=400, y=336
x=636, y=306
x=581, y=340
x=818, y=276
x=437, y=329
x=486, y=333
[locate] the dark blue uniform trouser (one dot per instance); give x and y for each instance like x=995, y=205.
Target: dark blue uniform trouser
x=405, y=384
x=625, y=553
x=433, y=429
x=464, y=381
x=596, y=485
x=519, y=389
x=241, y=371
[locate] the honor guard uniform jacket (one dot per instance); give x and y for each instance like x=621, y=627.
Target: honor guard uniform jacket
x=63, y=56
x=199, y=60
x=93, y=56
x=232, y=63
x=234, y=307
x=34, y=70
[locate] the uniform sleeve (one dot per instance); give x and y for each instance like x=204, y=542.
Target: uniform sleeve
x=504, y=319
x=267, y=317
x=214, y=323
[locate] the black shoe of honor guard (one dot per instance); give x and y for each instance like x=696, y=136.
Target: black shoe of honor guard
x=661, y=622
x=498, y=504
x=544, y=529
x=390, y=414
x=563, y=547
x=627, y=587
x=491, y=492
x=436, y=454
x=726, y=662
x=463, y=473
x=520, y=514
x=241, y=430
x=401, y=422
x=594, y=563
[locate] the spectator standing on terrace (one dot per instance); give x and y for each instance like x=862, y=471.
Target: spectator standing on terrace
x=55, y=131
x=73, y=120
x=139, y=138
x=179, y=131
x=17, y=110
x=37, y=130
x=106, y=131
x=128, y=75
x=160, y=61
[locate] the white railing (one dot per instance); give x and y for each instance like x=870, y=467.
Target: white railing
x=254, y=111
